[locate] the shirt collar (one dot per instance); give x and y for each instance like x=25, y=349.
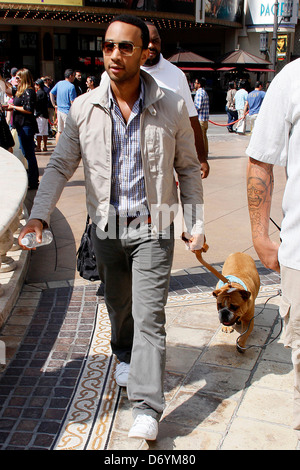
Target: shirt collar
x=141, y=98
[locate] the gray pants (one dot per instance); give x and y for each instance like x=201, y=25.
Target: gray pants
x=135, y=268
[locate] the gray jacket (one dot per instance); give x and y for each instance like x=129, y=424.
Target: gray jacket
x=167, y=143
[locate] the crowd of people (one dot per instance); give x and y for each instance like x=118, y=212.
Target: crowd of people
x=38, y=109
x=240, y=103
x=34, y=109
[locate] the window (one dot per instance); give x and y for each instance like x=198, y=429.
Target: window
x=28, y=40
x=60, y=42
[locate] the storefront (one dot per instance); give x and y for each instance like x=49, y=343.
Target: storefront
x=49, y=36
x=259, y=23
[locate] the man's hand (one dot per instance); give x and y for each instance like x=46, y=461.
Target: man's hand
x=33, y=225
x=267, y=251
x=194, y=242
x=204, y=170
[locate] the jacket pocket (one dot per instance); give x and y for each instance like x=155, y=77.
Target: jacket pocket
x=160, y=149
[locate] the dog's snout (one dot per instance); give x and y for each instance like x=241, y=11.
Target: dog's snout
x=226, y=316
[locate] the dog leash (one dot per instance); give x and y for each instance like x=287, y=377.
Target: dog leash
x=199, y=257
x=259, y=313
x=198, y=254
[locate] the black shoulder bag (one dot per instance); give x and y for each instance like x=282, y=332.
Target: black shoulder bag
x=86, y=260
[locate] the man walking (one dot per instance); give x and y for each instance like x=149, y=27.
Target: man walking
x=254, y=102
x=240, y=100
x=169, y=76
x=130, y=135
x=275, y=141
x=202, y=106
x=62, y=96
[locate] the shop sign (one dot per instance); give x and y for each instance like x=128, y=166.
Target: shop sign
x=261, y=12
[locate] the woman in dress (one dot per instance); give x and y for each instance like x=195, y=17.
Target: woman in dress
x=24, y=122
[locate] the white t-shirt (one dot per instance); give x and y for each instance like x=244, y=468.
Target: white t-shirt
x=276, y=140
x=169, y=76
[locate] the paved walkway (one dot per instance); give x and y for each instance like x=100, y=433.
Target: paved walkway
x=57, y=391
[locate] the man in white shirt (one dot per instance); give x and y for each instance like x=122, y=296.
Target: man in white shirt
x=169, y=76
x=276, y=141
x=240, y=100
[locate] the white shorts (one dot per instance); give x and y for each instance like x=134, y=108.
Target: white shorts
x=42, y=125
x=61, y=120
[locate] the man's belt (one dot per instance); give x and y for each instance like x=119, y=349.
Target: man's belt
x=138, y=220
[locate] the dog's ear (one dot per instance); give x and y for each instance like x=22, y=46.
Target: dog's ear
x=245, y=294
x=216, y=292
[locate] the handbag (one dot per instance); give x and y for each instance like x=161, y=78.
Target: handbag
x=6, y=138
x=86, y=260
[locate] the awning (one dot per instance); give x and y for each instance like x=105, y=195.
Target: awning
x=226, y=69
x=260, y=70
x=240, y=57
x=196, y=68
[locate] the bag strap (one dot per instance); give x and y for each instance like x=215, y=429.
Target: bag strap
x=87, y=222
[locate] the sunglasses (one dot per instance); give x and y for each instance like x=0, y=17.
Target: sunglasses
x=126, y=48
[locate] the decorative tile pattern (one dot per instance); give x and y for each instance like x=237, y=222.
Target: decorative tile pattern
x=89, y=418
x=58, y=391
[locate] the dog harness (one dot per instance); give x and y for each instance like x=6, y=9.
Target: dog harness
x=232, y=279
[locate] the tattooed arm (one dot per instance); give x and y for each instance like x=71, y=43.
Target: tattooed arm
x=259, y=191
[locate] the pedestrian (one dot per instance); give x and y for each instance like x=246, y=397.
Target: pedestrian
x=41, y=114
x=196, y=85
x=78, y=82
x=230, y=106
x=131, y=135
x=13, y=82
x=240, y=100
x=275, y=141
x=202, y=106
x=169, y=76
x=62, y=96
x=254, y=102
x=48, y=85
x=91, y=83
x=24, y=122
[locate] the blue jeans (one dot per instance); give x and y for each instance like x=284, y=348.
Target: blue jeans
x=232, y=117
x=27, y=144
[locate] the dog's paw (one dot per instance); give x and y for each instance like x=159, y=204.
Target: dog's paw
x=227, y=329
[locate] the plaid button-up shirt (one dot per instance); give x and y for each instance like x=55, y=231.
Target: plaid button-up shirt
x=128, y=195
x=202, y=104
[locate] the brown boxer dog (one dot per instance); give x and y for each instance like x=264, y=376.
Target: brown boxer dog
x=236, y=300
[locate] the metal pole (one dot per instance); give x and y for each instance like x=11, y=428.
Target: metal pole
x=274, y=39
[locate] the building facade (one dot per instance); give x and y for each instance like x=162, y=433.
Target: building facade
x=48, y=36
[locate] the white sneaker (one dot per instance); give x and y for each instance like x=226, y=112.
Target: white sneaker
x=121, y=374
x=144, y=427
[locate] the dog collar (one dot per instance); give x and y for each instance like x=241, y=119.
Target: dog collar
x=232, y=279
